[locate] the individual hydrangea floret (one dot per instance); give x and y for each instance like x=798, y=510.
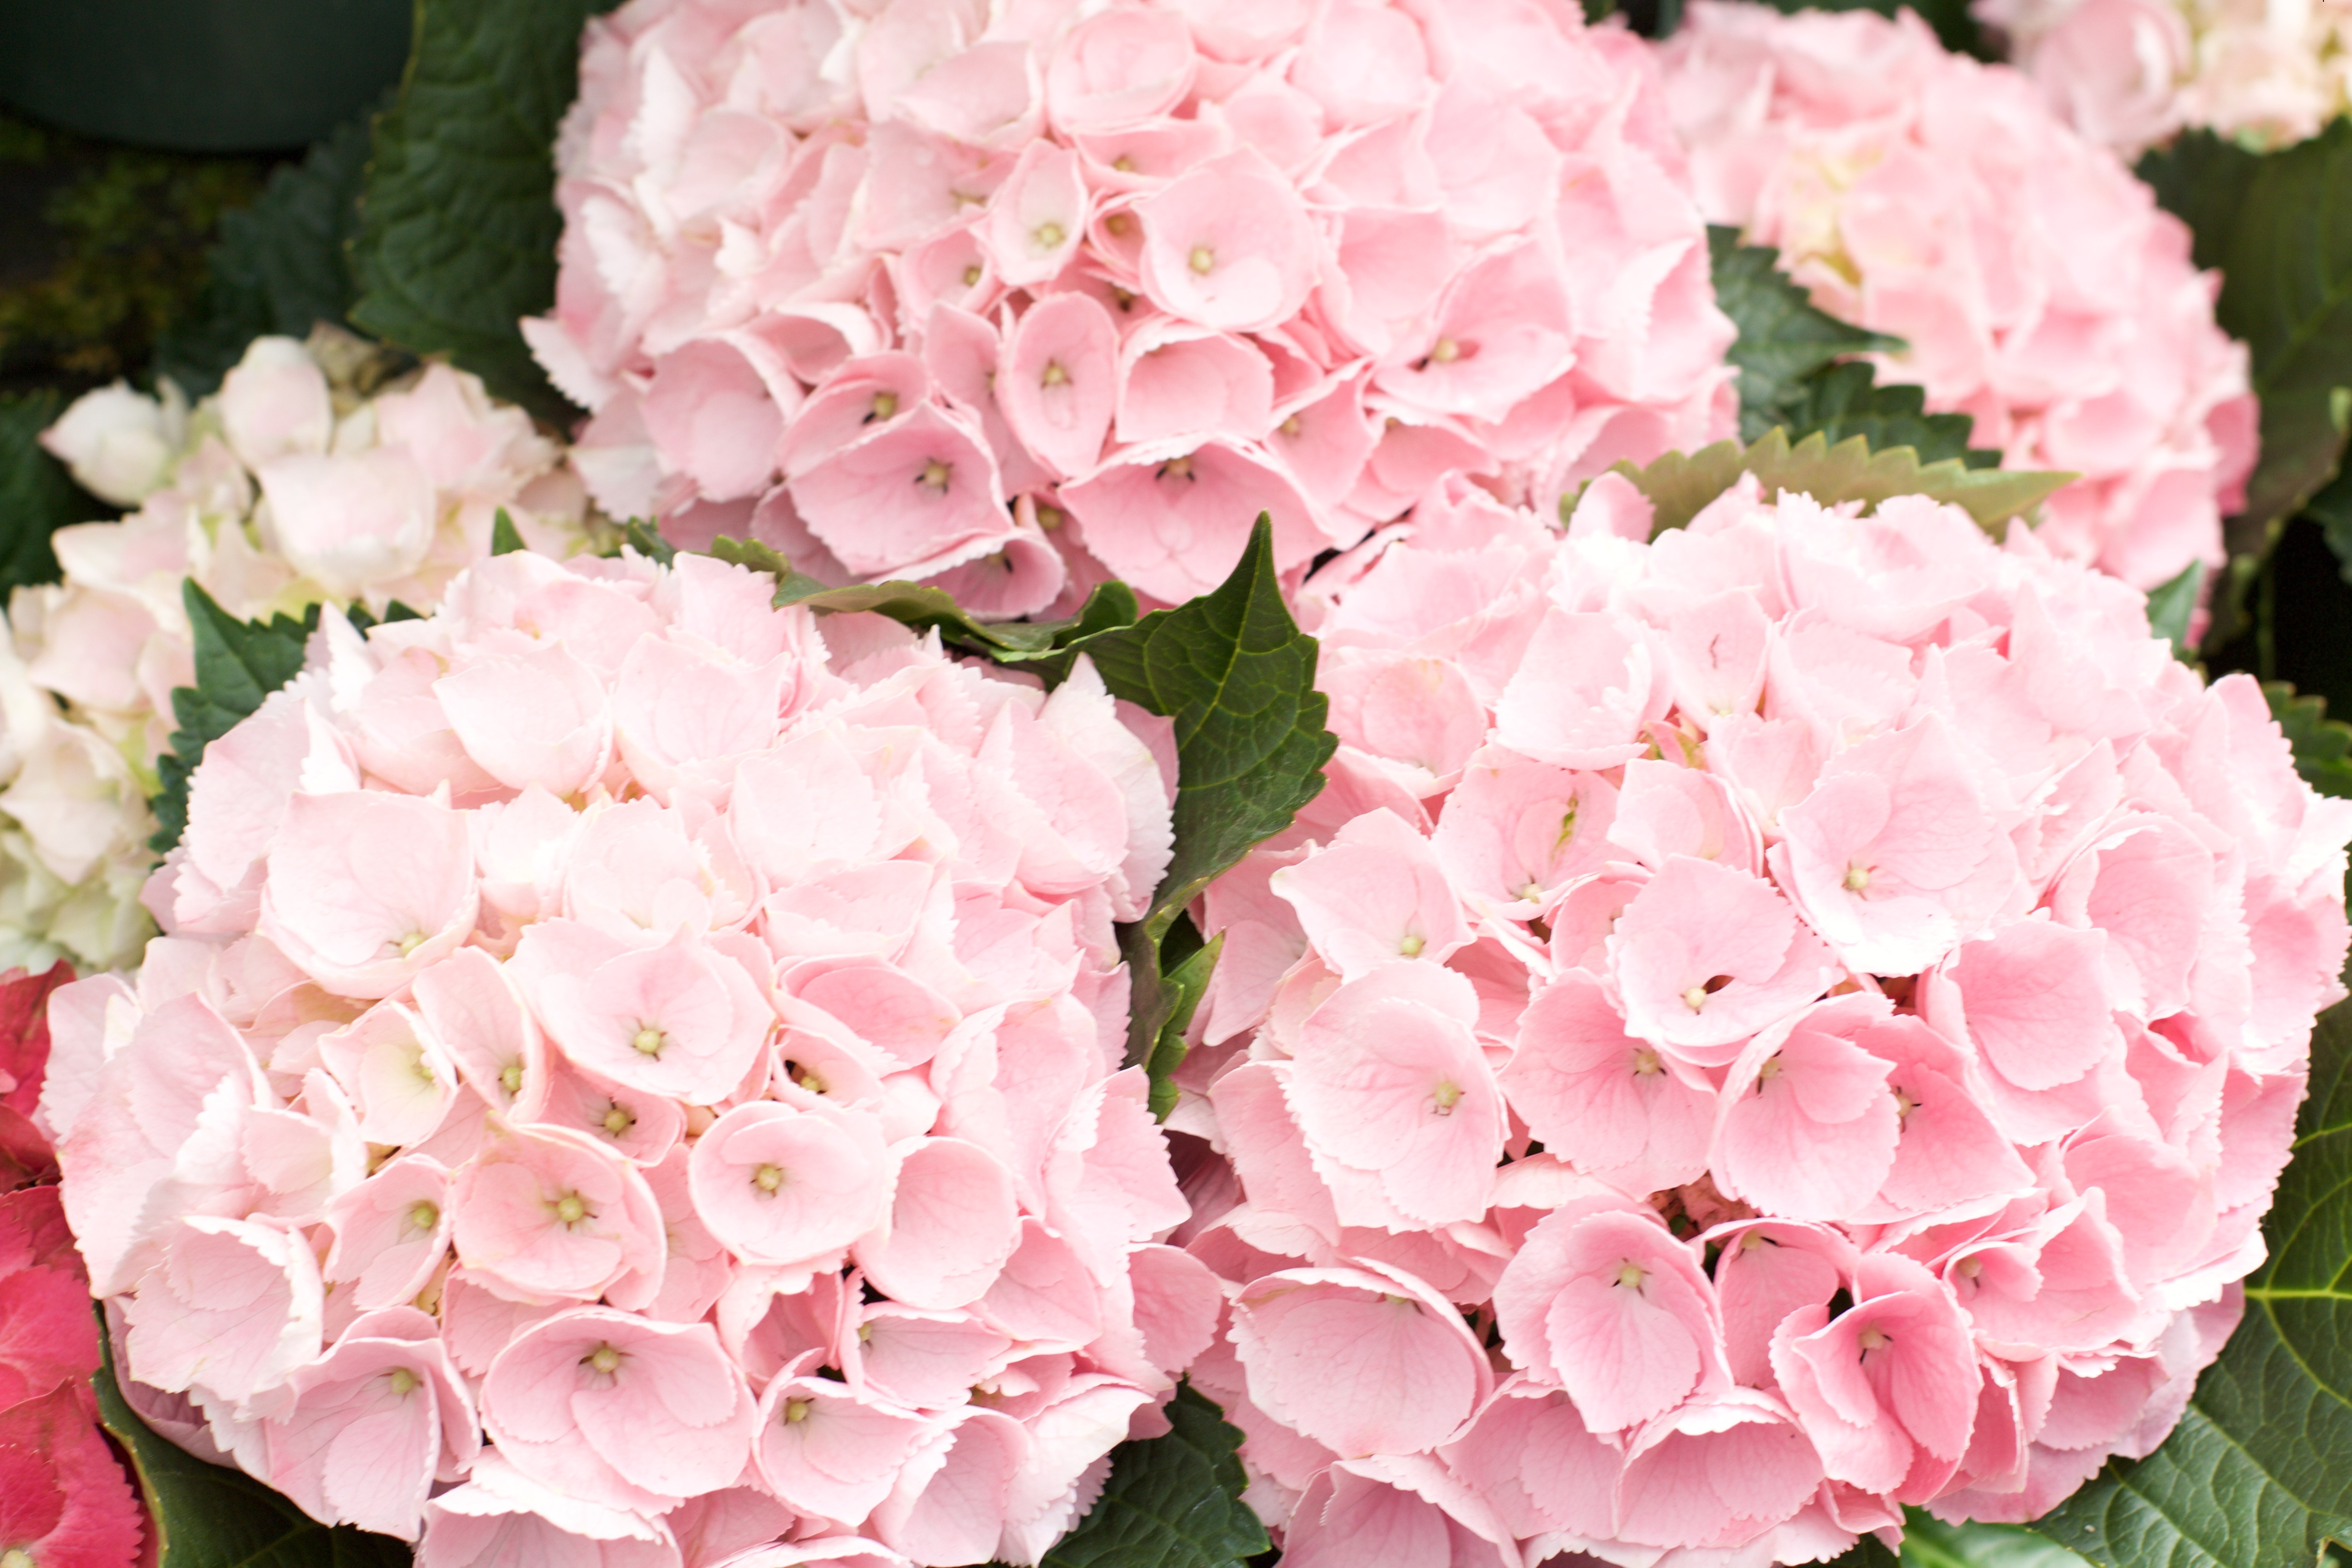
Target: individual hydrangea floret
x=289, y=486
x=633, y=1073
x=2034, y=282
x=1011, y=299
x=1821, y=1040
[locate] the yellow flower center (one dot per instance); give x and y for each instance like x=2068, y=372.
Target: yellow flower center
x=570, y=1208
x=1857, y=877
x=1203, y=259
x=1873, y=1338
x=972, y=274
x=402, y=1381
x=886, y=404
x=1054, y=375
x=605, y=1359
x=411, y=942
x=425, y=1216
x=1446, y=351
x=1411, y=946
x=1046, y=236
x=1119, y=225
x=768, y=1178
x=1631, y=1274
x=935, y=476
x=1447, y=1096
x=649, y=1039
x=619, y=1119
x=1050, y=518
x=1176, y=468
x=797, y=1410
x=510, y=1077
x=1646, y=1063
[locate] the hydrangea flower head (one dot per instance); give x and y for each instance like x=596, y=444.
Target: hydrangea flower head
x=678, y=1121
x=1746, y=1090
x=1012, y=300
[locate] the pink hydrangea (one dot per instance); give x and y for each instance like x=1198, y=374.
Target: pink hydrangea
x=1813, y=1049
x=2038, y=288
x=1014, y=300
x=2127, y=73
x=683, y=1118
x=287, y=487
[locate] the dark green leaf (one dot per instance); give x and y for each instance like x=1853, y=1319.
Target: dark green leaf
x=208, y=1516
x=1844, y=401
x=2256, y=1475
x=2202, y=180
x=1172, y=1501
x=505, y=539
x=923, y=606
x=1929, y=1543
x=1235, y=673
x=1182, y=987
x=1784, y=340
x=2169, y=608
x=458, y=223
x=2321, y=746
x=38, y=497
x=2331, y=508
x=2280, y=227
x=238, y=663
x=647, y=541
x=1679, y=484
x=280, y=265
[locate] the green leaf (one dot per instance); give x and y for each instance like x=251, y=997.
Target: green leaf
x=238, y=663
x=923, y=607
x=1784, y=338
x=2169, y=608
x=1181, y=984
x=2280, y=227
x=1171, y=1502
x=38, y=497
x=1679, y=484
x=2321, y=746
x=647, y=541
x=1929, y=1543
x=2332, y=509
x=208, y=1516
x=505, y=539
x=2258, y=1472
x=459, y=223
x=1235, y=673
x=1842, y=401
x=280, y=265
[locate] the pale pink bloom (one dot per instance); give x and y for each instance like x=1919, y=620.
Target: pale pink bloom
x=1037, y=216
x=373, y=1425
x=1809, y=1123
x=231, y=1306
x=1705, y=956
x=953, y=1223
x=1367, y=1362
x=1059, y=385
x=605, y=1407
x=949, y=1500
x=1612, y=1105
x=1715, y=1472
x=1893, y=857
x=348, y=522
x=682, y=1018
x=1364, y=1511
x=792, y=1183
x=1603, y=1301
x=1228, y=245
x=1539, y=1468
x=1587, y=685
x=537, y=717
x=1888, y=1387
x=390, y=1232
x=1376, y=893
x=1173, y=525
x=501, y=1515
x=121, y=444
x=1119, y=68
x=275, y=402
x=929, y=481
x=366, y=889
x=470, y=1005
x=400, y=1080
x=1388, y=1080
x=828, y=1452
x=547, y=1213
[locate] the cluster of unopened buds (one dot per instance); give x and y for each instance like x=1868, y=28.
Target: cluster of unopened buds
x=1796, y=1018
x=635, y=1071
x=1010, y=301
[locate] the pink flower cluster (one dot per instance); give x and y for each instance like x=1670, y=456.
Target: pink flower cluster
x=632, y=1079
x=1793, y=1019
x=2128, y=73
x=1012, y=297
x=65, y=1501
x=2038, y=287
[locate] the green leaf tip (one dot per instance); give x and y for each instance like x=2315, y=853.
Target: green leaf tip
x=37, y=496
x=646, y=538
x=209, y=1516
x=1171, y=1501
x=1680, y=484
x=238, y=664
x=2171, y=607
x=2322, y=747
x=505, y=539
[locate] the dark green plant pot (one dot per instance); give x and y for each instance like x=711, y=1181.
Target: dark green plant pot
x=214, y=76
